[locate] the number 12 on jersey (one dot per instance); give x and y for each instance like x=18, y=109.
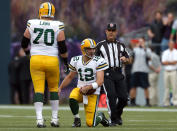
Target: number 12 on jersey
x=88, y=77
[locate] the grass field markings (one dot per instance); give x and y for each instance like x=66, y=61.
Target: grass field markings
x=24, y=120
x=150, y=124
x=7, y=116
x=153, y=121
x=48, y=117
x=137, y=116
x=100, y=109
x=96, y=128
x=62, y=129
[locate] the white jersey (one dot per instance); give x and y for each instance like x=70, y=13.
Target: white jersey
x=44, y=36
x=87, y=71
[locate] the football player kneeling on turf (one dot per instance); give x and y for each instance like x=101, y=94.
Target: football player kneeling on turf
x=90, y=70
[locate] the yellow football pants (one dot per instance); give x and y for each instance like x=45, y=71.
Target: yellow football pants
x=90, y=108
x=44, y=68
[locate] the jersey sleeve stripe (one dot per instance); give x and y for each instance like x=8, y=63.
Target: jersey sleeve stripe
x=28, y=25
x=71, y=67
x=61, y=27
x=102, y=66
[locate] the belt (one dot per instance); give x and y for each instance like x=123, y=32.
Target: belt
x=170, y=70
x=115, y=68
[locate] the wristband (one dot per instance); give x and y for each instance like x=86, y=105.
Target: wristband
x=94, y=85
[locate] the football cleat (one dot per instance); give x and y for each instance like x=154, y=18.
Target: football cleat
x=54, y=122
x=77, y=122
x=47, y=9
x=40, y=123
x=104, y=121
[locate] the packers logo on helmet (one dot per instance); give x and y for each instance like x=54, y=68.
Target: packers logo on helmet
x=47, y=9
x=87, y=44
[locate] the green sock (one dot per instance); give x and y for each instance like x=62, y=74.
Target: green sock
x=98, y=119
x=74, y=106
x=38, y=97
x=54, y=96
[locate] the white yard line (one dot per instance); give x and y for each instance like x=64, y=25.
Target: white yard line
x=81, y=108
x=109, y=128
x=154, y=120
x=133, y=120
x=8, y=116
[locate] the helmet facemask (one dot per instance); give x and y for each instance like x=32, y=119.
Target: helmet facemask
x=89, y=54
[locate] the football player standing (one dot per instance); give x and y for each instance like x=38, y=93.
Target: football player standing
x=90, y=71
x=47, y=38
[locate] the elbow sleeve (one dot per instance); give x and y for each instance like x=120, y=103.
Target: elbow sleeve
x=62, y=47
x=24, y=43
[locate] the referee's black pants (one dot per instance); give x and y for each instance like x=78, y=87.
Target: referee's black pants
x=115, y=89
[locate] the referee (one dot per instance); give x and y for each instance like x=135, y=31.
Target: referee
x=114, y=86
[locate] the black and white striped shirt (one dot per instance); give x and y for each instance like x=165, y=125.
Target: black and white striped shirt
x=111, y=52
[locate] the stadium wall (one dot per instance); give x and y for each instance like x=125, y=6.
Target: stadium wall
x=4, y=51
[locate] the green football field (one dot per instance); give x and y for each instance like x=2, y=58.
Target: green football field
x=22, y=118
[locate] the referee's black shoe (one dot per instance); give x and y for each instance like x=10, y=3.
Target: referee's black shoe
x=116, y=122
x=119, y=121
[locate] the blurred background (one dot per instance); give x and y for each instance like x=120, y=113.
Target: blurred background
x=89, y=18
x=82, y=19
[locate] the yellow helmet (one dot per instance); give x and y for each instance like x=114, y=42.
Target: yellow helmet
x=47, y=9
x=87, y=43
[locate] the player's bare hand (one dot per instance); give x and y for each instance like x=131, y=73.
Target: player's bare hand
x=85, y=89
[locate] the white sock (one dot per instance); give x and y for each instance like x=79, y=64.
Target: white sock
x=76, y=116
x=54, y=106
x=38, y=107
